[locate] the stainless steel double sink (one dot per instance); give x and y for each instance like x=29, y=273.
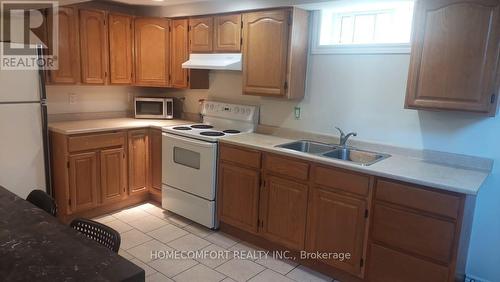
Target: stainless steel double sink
x=349, y=154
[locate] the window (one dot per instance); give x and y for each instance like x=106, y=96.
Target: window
x=347, y=27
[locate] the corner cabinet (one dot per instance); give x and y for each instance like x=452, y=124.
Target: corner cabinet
x=455, y=55
x=152, y=45
x=121, y=43
x=275, y=44
x=93, y=46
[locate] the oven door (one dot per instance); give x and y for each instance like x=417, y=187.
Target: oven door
x=150, y=108
x=189, y=165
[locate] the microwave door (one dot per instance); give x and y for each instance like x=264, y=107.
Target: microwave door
x=169, y=109
x=149, y=108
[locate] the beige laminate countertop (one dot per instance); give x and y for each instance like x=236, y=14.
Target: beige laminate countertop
x=100, y=125
x=398, y=167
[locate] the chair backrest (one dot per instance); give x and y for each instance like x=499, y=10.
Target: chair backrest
x=98, y=232
x=42, y=200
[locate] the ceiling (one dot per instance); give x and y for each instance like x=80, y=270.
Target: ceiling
x=158, y=2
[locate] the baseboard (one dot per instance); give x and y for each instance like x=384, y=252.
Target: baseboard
x=472, y=278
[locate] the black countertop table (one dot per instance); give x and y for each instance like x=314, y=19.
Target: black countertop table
x=34, y=246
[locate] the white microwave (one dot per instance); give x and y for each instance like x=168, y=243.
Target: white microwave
x=157, y=108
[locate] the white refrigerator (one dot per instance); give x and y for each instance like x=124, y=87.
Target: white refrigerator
x=24, y=143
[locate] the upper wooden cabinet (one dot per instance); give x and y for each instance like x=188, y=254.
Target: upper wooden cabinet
x=227, y=33
x=179, y=53
x=201, y=34
x=93, y=46
x=68, y=58
x=152, y=52
x=455, y=54
x=120, y=49
x=275, y=53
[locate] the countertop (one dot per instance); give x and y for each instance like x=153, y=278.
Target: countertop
x=100, y=125
x=34, y=246
x=399, y=167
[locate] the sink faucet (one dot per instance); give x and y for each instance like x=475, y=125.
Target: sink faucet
x=344, y=137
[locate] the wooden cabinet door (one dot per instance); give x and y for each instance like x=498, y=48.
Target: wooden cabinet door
x=67, y=57
x=265, y=49
x=138, y=159
x=201, y=34
x=336, y=224
x=152, y=61
x=120, y=49
x=227, y=33
x=179, y=53
x=156, y=165
x=93, y=46
x=113, y=174
x=239, y=196
x=83, y=181
x=455, y=55
x=284, y=208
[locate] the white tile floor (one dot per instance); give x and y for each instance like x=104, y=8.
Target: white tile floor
x=146, y=228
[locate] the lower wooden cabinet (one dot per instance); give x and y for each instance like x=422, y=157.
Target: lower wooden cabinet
x=337, y=223
x=113, y=174
x=82, y=182
x=155, y=157
x=386, y=230
x=97, y=173
x=283, y=203
x=238, y=198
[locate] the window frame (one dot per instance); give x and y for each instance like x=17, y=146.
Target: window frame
x=378, y=48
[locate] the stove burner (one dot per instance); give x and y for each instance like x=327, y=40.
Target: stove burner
x=212, y=133
x=182, y=128
x=202, y=126
x=231, y=131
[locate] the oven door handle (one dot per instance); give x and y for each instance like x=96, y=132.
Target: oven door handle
x=190, y=140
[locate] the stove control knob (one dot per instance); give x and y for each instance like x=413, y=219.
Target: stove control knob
x=248, y=111
x=236, y=110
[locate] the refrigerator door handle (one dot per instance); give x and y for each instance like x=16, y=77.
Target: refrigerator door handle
x=41, y=72
x=46, y=148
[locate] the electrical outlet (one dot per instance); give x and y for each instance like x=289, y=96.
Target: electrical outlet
x=73, y=98
x=297, y=113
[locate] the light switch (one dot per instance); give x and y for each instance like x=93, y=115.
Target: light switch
x=73, y=98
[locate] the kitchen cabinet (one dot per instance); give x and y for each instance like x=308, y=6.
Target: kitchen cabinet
x=337, y=224
x=156, y=164
x=179, y=53
x=275, y=53
x=82, y=182
x=227, y=33
x=455, y=54
x=113, y=174
x=239, y=183
x=239, y=196
x=138, y=167
x=91, y=172
x=68, y=56
x=388, y=230
x=152, y=60
x=201, y=34
x=283, y=218
x=121, y=42
x=93, y=46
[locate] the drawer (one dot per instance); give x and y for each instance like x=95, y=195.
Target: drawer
x=342, y=180
x=286, y=167
x=411, y=196
x=240, y=156
x=386, y=265
x=415, y=233
x=96, y=141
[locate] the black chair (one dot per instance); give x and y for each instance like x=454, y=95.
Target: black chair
x=42, y=200
x=104, y=235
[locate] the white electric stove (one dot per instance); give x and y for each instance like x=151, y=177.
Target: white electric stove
x=189, y=157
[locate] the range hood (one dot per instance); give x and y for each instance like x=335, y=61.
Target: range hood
x=221, y=61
